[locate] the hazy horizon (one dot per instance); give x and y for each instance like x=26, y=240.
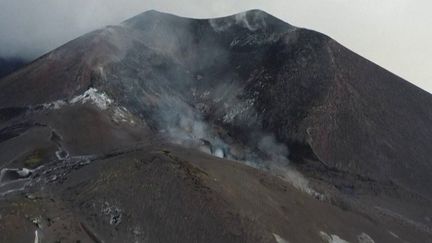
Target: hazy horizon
x=395, y=34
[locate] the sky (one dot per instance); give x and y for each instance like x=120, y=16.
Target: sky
x=395, y=34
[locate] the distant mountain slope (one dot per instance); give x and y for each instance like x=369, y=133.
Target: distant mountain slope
x=9, y=65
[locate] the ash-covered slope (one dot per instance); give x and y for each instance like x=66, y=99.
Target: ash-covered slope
x=247, y=87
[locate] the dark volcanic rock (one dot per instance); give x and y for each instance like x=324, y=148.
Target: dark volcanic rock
x=246, y=87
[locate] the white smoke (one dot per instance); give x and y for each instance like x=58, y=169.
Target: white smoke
x=221, y=24
x=278, y=152
x=256, y=22
x=252, y=21
x=185, y=125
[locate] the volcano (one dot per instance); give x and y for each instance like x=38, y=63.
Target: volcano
x=235, y=129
